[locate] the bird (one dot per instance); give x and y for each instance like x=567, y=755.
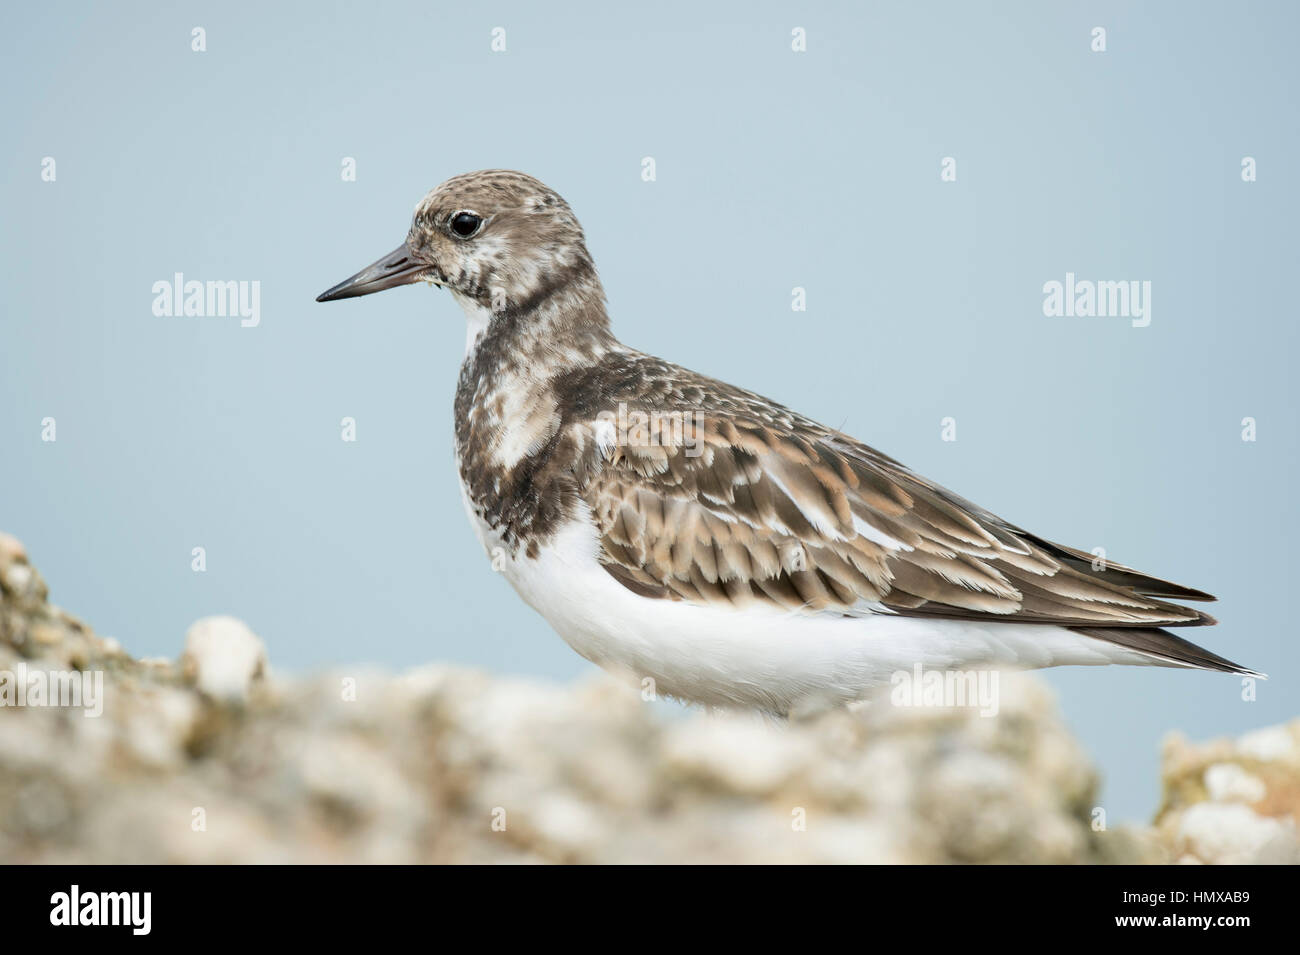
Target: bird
x=726, y=549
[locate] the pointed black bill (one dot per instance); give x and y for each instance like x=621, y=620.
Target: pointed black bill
x=396, y=268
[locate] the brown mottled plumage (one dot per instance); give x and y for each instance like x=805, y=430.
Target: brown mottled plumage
x=746, y=505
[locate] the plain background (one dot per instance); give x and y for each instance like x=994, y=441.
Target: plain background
x=775, y=169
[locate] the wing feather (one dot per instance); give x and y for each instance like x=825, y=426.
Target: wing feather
x=761, y=505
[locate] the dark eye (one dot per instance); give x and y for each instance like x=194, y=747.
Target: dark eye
x=465, y=224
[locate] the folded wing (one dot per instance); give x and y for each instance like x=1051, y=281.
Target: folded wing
x=750, y=504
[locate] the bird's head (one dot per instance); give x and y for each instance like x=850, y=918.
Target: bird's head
x=499, y=240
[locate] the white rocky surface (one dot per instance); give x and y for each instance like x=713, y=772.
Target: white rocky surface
x=1233, y=801
x=222, y=658
x=212, y=758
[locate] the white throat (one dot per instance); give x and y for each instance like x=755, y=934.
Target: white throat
x=476, y=319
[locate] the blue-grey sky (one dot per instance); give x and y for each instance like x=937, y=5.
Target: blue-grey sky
x=775, y=169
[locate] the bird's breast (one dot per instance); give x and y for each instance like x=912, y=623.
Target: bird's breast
x=511, y=457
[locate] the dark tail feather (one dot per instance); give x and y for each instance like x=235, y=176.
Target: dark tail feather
x=1163, y=645
x=1114, y=573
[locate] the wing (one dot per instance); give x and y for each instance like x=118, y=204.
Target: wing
x=745, y=502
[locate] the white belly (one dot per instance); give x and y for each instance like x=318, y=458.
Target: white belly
x=768, y=659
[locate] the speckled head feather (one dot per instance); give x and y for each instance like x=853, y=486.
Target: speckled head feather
x=527, y=246
x=500, y=241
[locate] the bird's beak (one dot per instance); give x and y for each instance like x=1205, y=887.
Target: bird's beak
x=398, y=267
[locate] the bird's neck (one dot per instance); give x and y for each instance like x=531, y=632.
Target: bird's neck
x=508, y=409
x=510, y=416
x=549, y=332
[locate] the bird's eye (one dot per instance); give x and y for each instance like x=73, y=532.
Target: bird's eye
x=465, y=224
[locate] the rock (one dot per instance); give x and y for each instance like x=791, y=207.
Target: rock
x=21, y=586
x=443, y=764
x=222, y=658
x=11, y=550
x=1227, y=781
x=1233, y=801
x=1230, y=834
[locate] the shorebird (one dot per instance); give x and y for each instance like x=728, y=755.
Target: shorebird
x=733, y=551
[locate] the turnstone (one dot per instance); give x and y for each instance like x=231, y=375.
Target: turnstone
x=692, y=532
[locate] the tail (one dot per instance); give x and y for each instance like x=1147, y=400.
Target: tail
x=1165, y=649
